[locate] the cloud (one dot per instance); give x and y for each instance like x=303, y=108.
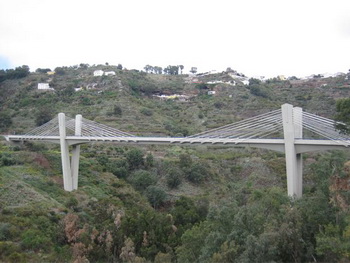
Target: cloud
x=254, y=37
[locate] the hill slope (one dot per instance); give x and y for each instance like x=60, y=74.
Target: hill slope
x=167, y=203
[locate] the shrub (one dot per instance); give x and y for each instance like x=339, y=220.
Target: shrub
x=197, y=173
x=7, y=248
x=6, y=159
x=17, y=258
x=141, y=179
x=60, y=71
x=219, y=104
x=102, y=160
x=134, y=158
x=5, y=121
x=173, y=178
x=146, y=111
x=257, y=91
x=72, y=202
x=43, y=115
x=120, y=172
x=35, y=240
x=7, y=231
x=117, y=111
x=149, y=160
x=156, y=196
x=185, y=160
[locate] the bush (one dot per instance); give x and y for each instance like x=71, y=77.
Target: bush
x=173, y=178
x=72, y=202
x=185, y=160
x=134, y=158
x=197, y=173
x=156, y=196
x=35, y=240
x=7, y=231
x=117, y=111
x=146, y=111
x=120, y=172
x=60, y=71
x=257, y=91
x=5, y=121
x=42, y=70
x=7, y=248
x=119, y=168
x=6, y=159
x=141, y=179
x=43, y=116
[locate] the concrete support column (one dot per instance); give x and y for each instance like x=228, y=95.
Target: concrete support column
x=298, y=134
x=76, y=152
x=294, y=181
x=66, y=170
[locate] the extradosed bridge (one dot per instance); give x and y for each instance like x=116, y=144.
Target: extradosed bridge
x=254, y=132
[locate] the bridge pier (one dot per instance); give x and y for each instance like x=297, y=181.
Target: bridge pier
x=292, y=128
x=70, y=167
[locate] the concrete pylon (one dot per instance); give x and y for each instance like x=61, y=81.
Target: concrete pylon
x=292, y=128
x=70, y=168
x=66, y=168
x=76, y=153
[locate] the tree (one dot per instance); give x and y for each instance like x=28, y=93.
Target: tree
x=142, y=179
x=134, y=158
x=117, y=110
x=148, y=68
x=171, y=70
x=60, y=71
x=158, y=70
x=181, y=68
x=120, y=66
x=173, y=178
x=193, y=70
x=5, y=120
x=343, y=115
x=156, y=196
x=43, y=115
x=42, y=70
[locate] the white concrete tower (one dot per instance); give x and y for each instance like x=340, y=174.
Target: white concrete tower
x=292, y=128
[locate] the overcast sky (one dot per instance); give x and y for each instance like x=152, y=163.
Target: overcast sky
x=254, y=37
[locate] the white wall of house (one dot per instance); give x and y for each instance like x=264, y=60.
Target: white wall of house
x=110, y=73
x=98, y=73
x=44, y=86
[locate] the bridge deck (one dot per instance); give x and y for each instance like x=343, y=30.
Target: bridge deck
x=302, y=145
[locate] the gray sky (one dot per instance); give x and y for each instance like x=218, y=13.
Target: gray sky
x=254, y=37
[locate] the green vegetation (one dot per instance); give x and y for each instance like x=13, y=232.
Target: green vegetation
x=167, y=203
x=343, y=114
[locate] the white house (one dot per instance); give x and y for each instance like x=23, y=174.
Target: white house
x=211, y=92
x=110, y=73
x=98, y=73
x=245, y=82
x=44, y=86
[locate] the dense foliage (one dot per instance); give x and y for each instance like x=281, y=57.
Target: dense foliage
x=17, y=73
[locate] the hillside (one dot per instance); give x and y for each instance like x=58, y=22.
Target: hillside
x=167, y=203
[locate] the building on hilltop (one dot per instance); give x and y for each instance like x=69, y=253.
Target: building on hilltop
x=44, y=86
x=98, y=73
x=110, y=73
